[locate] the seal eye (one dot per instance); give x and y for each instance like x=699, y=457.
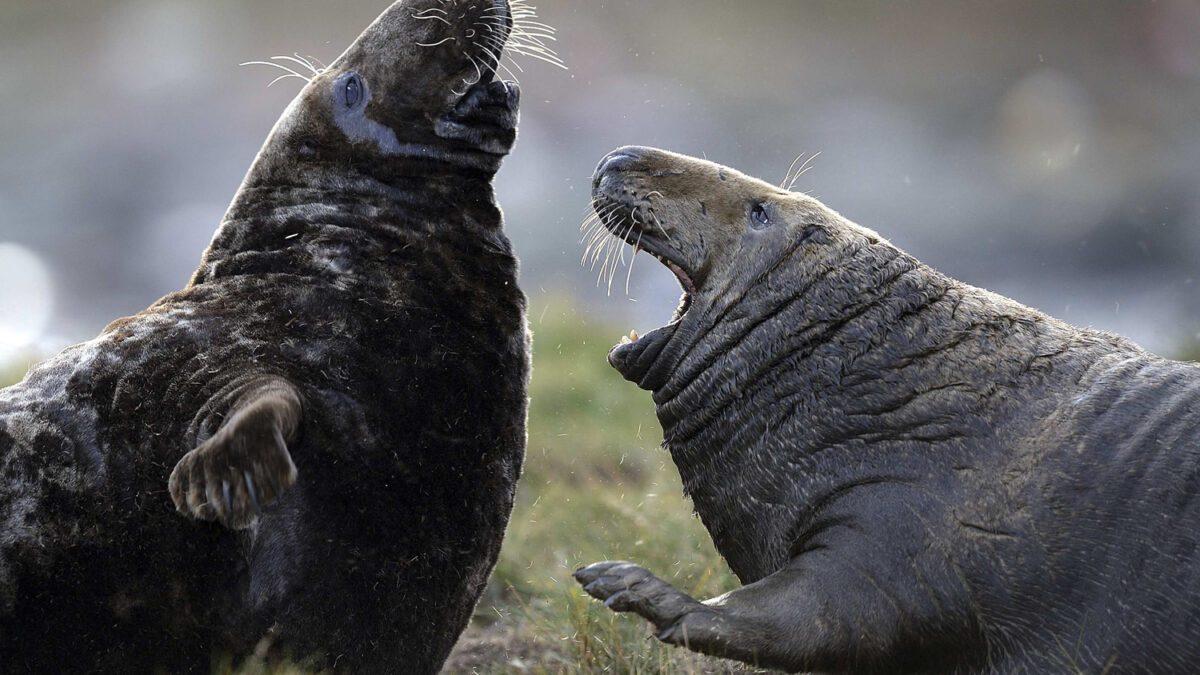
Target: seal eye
x=353, y=91
x=760, y=216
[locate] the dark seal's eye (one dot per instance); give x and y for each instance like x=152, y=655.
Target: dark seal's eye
x=759, y=216
x=353, y=90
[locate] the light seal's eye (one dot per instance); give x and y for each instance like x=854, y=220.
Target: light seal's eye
x=353, y=91
x=760, y=216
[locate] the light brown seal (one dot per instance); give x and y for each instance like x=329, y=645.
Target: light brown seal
x=909, y=474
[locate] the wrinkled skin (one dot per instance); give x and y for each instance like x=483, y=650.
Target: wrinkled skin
x=908, y=474
x=316, y=442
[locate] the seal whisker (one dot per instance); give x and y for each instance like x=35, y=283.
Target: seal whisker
x=610, y=261
x=599, y=231
x=788, y=174
x=619, y=244
x=320, y=64
x=424, y=15
x=513, y=62
x=593, y=230
x=280, y=66
x=660, y=226
x=609, y=241
x=600, y=248
x=506, y=48
x=300, y=61
x=525, y=42
x=286, y=76
x=629, y=275
x=597, y=246
x=437, y=18
x=526, y=35
x=551, y=58
x=478, y=71
x=434, y=44
x=804, y=168
x=424, y=18
x=511, y=75
x=608, y=249
x=499, y=45
x=593, y=245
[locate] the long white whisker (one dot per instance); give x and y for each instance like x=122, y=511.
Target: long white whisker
x=629, y=276
x=275, y=65
x=788, y=175
x=804, y=168
x=299, y=61
x=286, y=76
x=434, y=44
x=660, y=226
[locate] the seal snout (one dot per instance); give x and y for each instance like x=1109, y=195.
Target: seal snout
x=617, y=161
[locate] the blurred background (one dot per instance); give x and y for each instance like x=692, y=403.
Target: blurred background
x=1048, y=151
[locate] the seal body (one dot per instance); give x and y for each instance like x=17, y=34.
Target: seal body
x=908, y=474
x=335, y=403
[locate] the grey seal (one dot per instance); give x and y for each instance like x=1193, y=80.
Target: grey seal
x=908, y=474
x=317, y=440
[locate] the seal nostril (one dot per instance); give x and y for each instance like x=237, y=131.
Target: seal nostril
x=616, y=161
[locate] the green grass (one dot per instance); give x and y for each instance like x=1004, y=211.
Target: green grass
x=11, y=373
x=597, y=486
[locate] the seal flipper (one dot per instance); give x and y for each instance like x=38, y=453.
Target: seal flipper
x=246, y=464
x=815, y=614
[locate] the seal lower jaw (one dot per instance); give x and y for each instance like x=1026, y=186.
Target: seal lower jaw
x=638, y=358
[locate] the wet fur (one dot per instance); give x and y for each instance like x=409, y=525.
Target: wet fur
x=356, y=315
x=909, y=474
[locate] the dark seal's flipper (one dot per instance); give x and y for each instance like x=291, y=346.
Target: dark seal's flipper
x=246, y=464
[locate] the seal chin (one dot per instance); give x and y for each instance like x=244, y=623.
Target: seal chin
x=635, y=358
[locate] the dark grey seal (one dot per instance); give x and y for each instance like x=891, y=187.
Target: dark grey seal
x=337, y=398
x=909, y=474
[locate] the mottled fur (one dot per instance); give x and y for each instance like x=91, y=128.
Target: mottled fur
x=341, y=387
x=908, y=473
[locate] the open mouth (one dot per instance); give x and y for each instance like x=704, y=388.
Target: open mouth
x=638, y=226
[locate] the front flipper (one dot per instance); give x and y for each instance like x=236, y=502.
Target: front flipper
x=817, y=613
x=626, y=587
x=246, y=464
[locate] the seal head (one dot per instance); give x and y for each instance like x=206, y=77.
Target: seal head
x=716, y=229
x=416, y=92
